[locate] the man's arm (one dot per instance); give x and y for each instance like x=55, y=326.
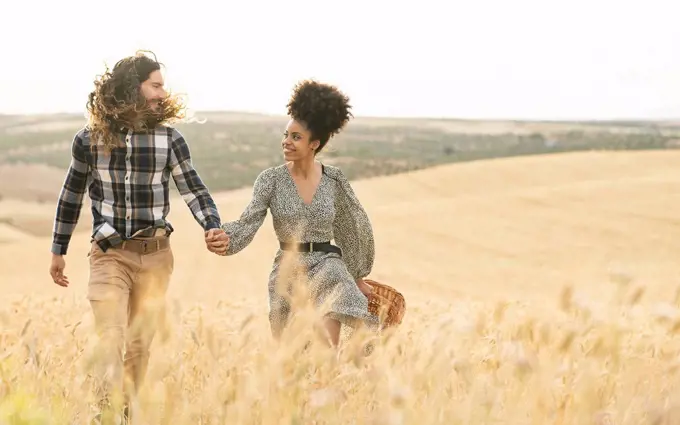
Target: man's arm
x=190, y=185
x=70, y=199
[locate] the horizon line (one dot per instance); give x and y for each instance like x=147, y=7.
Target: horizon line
x=386, y=117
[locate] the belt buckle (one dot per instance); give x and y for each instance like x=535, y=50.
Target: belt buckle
x=145, y=246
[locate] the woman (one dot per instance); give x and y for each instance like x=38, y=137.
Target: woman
x=312, y=204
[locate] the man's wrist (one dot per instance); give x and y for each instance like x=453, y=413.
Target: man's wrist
x=211, y=225
x=59, y=249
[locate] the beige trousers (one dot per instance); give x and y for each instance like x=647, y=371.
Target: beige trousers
x=127, y=293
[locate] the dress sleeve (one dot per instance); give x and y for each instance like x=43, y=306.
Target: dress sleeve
x=242, y=231
x=352, y=229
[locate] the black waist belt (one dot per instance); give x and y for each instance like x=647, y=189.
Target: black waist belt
x=310, y=247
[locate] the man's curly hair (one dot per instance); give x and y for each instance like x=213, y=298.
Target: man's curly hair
x=117, y=103
x=322, y=108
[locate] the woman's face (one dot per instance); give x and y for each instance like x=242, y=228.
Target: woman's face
x=296, y=142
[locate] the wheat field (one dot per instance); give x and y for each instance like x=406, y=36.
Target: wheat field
x=539, y=290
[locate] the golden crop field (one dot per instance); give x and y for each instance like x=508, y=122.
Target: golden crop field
x=539, y=290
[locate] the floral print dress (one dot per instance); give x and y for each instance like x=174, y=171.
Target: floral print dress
x=334, y=214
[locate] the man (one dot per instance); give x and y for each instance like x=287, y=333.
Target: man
x=125, y=157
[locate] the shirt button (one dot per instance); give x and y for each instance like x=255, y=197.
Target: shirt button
x=128, y=217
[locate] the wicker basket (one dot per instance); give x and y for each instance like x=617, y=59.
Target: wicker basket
x=387, y=303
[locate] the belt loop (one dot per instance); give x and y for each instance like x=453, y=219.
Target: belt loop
x=311, y=246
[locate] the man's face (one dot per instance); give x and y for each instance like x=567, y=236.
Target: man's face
x=153, y=90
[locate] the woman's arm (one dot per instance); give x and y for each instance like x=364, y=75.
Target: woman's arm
x=352, y=228
x=242, y=231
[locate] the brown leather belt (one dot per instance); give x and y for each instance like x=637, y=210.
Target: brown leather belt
x=145, y=246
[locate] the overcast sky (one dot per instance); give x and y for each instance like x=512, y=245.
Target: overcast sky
x=473, y=58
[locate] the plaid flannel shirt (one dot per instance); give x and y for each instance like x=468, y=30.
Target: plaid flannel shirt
x=129, y=188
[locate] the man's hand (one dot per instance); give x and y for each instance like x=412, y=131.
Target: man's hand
x=57, y=270
x=217, y=241
x=364, y=287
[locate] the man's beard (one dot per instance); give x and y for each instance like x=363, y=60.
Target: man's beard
x=152, y=116
x=155, y=117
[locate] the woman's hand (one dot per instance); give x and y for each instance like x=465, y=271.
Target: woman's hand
x=364, y=287
x=217, y=241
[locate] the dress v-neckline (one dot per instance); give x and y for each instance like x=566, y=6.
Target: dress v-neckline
x=297, y=190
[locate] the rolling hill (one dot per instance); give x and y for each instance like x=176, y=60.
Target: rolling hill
x=520, y=227
x=230, y=149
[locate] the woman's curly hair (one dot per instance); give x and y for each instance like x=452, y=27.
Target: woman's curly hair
x=322, y=108
x=117, y=103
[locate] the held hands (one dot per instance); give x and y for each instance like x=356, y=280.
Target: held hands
x=57, y=270
x=217, y=241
